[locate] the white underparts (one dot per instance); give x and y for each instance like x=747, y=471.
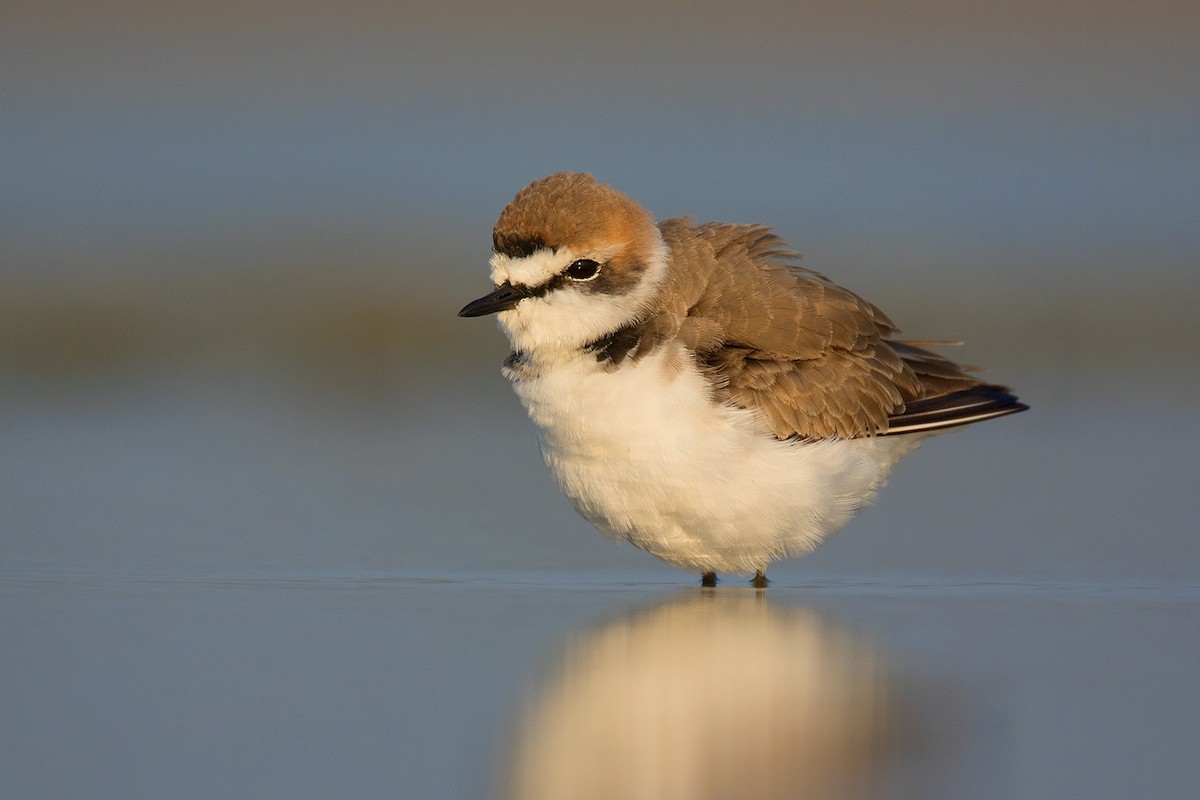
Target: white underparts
x=645, y=454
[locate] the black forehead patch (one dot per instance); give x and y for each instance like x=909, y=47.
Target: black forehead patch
x=517, y=247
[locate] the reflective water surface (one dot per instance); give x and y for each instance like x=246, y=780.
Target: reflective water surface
x=222, y=587
x=718, y=695
x=595, y=685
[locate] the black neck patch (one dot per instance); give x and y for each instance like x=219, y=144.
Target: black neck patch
x=630, y=341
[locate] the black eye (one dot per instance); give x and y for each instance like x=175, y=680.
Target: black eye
x=582, y=270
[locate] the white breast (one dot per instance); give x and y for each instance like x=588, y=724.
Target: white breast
x=646, y=456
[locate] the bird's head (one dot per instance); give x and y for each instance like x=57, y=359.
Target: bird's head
x=573, y=260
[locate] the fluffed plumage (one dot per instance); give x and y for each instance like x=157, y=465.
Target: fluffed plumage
x=588, y=284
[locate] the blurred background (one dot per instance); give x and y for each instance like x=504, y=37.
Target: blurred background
x=273, y=525
x=234, y=237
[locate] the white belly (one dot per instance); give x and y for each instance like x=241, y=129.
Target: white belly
x=645, y=456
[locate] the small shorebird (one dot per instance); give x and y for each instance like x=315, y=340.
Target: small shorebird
x=698, y=394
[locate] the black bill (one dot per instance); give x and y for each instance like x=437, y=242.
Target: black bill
x=505, y=297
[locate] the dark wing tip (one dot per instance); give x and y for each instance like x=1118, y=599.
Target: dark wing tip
x=976, y=404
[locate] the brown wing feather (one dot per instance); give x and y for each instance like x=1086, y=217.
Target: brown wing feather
x=816, y=359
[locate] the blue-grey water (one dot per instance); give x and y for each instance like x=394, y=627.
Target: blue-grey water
x=219, y=586
x=613, y=683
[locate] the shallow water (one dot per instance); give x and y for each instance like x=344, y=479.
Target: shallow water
x=596, y=684
x=227, y=586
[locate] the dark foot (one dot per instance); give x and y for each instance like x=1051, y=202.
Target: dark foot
x=759, y=581
x=708, y=579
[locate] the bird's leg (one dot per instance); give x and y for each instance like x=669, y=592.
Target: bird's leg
x=708, y=579
x=759, y=581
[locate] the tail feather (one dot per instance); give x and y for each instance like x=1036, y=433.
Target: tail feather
x=963, y=407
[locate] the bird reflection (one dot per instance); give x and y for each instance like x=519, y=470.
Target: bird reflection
x=720, y=695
